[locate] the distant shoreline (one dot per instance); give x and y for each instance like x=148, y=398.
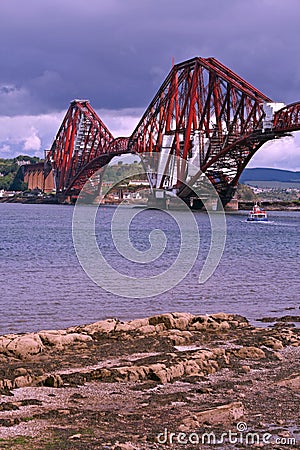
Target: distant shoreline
x=276, y=205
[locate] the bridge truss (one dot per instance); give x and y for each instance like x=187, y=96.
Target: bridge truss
x=203, y=113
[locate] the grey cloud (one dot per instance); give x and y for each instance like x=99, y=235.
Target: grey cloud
x=116, y=53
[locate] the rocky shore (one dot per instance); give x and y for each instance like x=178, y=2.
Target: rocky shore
x=169, y=381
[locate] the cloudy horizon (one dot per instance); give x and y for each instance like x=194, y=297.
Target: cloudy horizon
x=117, y=54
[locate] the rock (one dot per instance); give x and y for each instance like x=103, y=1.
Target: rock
x=224, y=414
x=202, y=355
x=191, y=368
x=224, y=326
x=23, y=381
x=273, y=343
x=288, y=337
x=130, y=373
x=9, y=406
x=179, y=321
x=289, y=318
x=175, y=371
x=220, y=321
x=64, y=412
x=28, y=345
x=147, y=329
x=221, y=316
x=284, y=433
x=54, y=380
x=7, y=384
x=25, y=346
x=4, y=342
x=291, y=383
x=61, y=339
x=133, y=325
x=158, y=372
x=75, y=437
x=199, y=325
x=204, y=323
x=160, y=327
x=124, y=446
x=236, y=320
x=278, y=356
x=127, y=366
x=249, y=353
x=221, y=355
x=21, y=371
x=204, y=390
x=178, y=337
x=103, y=326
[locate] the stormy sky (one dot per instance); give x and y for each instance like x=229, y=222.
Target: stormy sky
x=116, y=53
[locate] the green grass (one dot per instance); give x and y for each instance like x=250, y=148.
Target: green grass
x=18, y=442
x=54, y=442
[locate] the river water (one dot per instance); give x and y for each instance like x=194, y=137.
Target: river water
x=43, y=286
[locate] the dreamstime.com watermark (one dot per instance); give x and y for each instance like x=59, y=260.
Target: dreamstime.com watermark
x=98, y=267
x=240, y=435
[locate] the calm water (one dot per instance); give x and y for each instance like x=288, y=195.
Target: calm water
x=44, y=287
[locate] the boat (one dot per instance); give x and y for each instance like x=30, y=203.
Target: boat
x=257, y=214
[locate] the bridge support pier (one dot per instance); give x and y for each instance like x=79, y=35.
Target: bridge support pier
x=157, y=199
x=232, y=205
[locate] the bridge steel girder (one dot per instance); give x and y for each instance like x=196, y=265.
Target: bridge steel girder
x=203, y=96
x=86, y=175
x=287, y=119
x=203, y=113
x=81, y=138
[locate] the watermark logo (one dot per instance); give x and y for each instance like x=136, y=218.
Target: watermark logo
x=97, y=265
x=241, y=435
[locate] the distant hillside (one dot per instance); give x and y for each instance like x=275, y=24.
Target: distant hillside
x=9, y=168
x=262, y=174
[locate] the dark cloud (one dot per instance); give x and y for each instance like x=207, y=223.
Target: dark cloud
x=117, y=53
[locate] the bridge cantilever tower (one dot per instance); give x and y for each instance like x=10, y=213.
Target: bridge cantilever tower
x=82, y=145
x=207, y=114
x=203, y=113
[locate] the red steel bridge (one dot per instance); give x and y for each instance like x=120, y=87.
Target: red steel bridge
x=203, y=113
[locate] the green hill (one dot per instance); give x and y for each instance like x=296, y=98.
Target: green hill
x=9, y=169
x=265, y=174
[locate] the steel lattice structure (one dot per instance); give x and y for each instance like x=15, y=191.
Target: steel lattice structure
x=81, y=139
x=203, y=113
x=288, y=118
x=206, y=114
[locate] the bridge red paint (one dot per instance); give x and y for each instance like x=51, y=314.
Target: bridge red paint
x=203, y=113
